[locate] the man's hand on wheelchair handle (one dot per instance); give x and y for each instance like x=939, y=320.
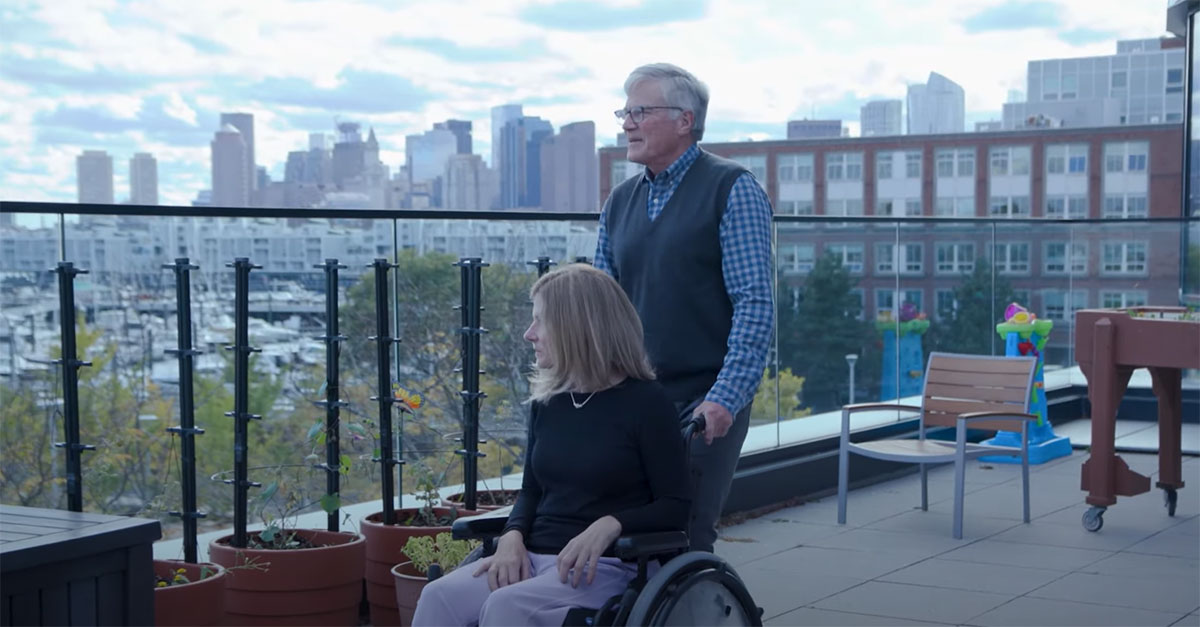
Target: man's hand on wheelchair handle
x=585, y=549
x=510, y=563
x=717, y=420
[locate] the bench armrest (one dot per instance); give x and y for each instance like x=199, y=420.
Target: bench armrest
x=878, y=406
x=977, y=416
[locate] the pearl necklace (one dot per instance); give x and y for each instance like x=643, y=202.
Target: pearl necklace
x=579, y=405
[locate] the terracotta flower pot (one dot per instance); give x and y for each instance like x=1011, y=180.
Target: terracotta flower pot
x=317, y=586
x=201, y=602
x=409, y=582
x=487, y=500
x=384, y=550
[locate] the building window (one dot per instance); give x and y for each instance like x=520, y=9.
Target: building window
x=1010, y=160
x=844, y=207
x=910, y=260
x=912, y=165
x=1012, y=258
x=960, y=207
x=883, y=165
x=1055, y=306
x=912, y=206
x=795, y=207
x=885, y=300
x=794, y=167
x=1125, y=156
x=945, y=306
x=1174, y=80
x=1117, y=299
x=619, y=172
x=1124, y=258
x=1066, y=158
x=1008, y=206
x=944, y=163
x=1119, y=80
x=966, y=162
x=1072, y=207
x=796, y=258
x=955, y=258
x=851, y=255
x=845, y=166
x=1056, y=159
x=1125, y=206
x=757, y=164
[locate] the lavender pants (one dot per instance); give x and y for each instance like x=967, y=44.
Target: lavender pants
x=461, y=599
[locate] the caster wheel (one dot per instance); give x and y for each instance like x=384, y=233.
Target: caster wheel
x=1093, y=519
x=1170, y=500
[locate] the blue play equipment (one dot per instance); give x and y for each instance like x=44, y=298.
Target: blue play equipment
x=1022, y=338
x=908, y=373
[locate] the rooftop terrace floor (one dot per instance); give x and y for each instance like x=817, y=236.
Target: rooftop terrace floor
x=893, y=564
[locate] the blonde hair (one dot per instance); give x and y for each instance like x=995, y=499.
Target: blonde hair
x=594, y=333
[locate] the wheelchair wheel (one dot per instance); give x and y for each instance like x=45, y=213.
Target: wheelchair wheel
x=696, y=588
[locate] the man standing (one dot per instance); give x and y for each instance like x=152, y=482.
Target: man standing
x=689, y=240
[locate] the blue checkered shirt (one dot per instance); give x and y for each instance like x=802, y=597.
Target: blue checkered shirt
x=746, y=263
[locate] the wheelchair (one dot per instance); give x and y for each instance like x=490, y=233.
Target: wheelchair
x=690, y=587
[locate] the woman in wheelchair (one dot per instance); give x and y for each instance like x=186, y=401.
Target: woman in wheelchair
x=605, y=457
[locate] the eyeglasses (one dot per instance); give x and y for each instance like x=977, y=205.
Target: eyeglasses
x=637, y=114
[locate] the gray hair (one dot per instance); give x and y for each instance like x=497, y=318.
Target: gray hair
x=680, y=89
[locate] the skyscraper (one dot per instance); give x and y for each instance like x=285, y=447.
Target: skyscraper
x=462, y=133
x=569, y=169
x=426, y=155
x=143, y=179
x=937, y=106
x=348, y=154
x=244, y=123
x=230, y=177
x=501, y=115
x=880, y=118
x=520, y=161
x=469, y=183
x=94, y=177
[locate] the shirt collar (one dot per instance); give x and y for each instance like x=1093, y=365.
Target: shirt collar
x=676, y=169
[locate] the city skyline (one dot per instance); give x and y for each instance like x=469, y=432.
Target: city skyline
x=81, y=79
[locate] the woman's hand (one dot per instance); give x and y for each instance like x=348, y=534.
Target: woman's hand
x=585, y=549
x=510, y=563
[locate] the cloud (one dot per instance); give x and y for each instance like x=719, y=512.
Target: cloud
x=205, y=45
x=357, y=91
x=1014, y=16
x=43, y=72
x=155, y=119
x=590, y=15
x=1082, y=36
x=453, y=51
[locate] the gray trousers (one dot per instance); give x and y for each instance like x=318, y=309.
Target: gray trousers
x=712, y=473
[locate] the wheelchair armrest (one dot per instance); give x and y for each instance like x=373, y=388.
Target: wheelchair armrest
x=480, y=527
x=650, y=544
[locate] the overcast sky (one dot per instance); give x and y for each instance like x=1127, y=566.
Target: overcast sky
x=154, y=76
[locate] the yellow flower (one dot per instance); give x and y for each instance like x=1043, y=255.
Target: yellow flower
x=162, y=584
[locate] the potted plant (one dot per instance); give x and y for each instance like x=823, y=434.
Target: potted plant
x=430, y=557
x=385, y=544
x=485, y=500
x=188, y=594
x=303, y=576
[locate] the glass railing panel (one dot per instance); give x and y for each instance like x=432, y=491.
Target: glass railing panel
x=30, y=386
x=826, y=331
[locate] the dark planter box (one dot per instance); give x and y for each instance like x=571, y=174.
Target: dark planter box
x=70, y=568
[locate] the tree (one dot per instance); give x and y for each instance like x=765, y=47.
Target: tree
x=979, y=303
x=826, y=326
x=789, y=390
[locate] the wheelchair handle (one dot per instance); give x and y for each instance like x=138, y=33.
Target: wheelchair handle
x=692, y=426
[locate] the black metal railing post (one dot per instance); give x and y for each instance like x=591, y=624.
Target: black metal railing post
x=332, y=402
x=241, y=398
x=471, y=330
x=187, y=429
x=70, y=376
x=583, y=259
x=383, y=346
x=543, y=264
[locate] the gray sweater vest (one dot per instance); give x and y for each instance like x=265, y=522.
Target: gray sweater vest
x=671, y=270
